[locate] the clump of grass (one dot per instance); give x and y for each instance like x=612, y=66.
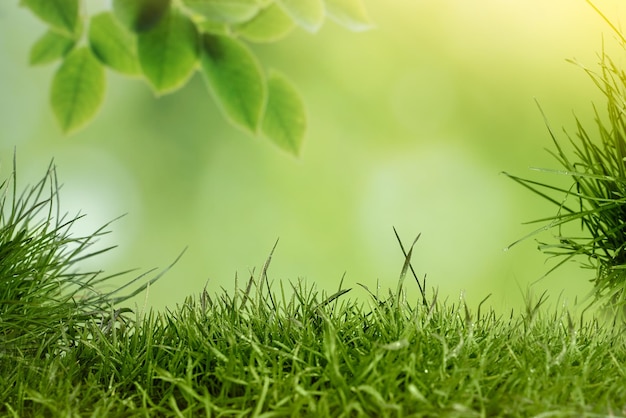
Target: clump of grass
x=596, y=197
x=46, y=302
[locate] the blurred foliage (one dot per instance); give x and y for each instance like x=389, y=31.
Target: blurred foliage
x=411, y=124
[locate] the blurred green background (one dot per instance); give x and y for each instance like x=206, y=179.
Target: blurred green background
x=410, y=125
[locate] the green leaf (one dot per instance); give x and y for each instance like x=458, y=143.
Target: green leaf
x=140, y=15
x=77, y=89
x=235, y=79
x=113, y=44
x=308, y=14
x=62, y=15
x=216, y=28
x=50, y=47
x=349, y=13
x=284, y=121
x=168, y=52
x=269, y=25
x=230, y=11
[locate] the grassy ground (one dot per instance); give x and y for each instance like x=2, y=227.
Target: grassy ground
x=66, y=349
x=259, y=356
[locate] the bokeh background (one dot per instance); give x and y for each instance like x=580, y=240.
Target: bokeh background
x=410, y=125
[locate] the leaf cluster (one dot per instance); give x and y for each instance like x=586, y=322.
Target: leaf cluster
x=596, y=195
x=166, y=41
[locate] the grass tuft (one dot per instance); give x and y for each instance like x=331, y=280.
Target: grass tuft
x=596, y=196
x=46, y=303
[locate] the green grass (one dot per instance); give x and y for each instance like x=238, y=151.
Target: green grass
x=589, y=223
x=66, y=349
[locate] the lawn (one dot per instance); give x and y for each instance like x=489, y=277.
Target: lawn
x=277, y=349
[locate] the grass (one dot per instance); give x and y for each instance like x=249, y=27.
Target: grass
x=66, y=349
x=596, y=197
x=42, y=295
